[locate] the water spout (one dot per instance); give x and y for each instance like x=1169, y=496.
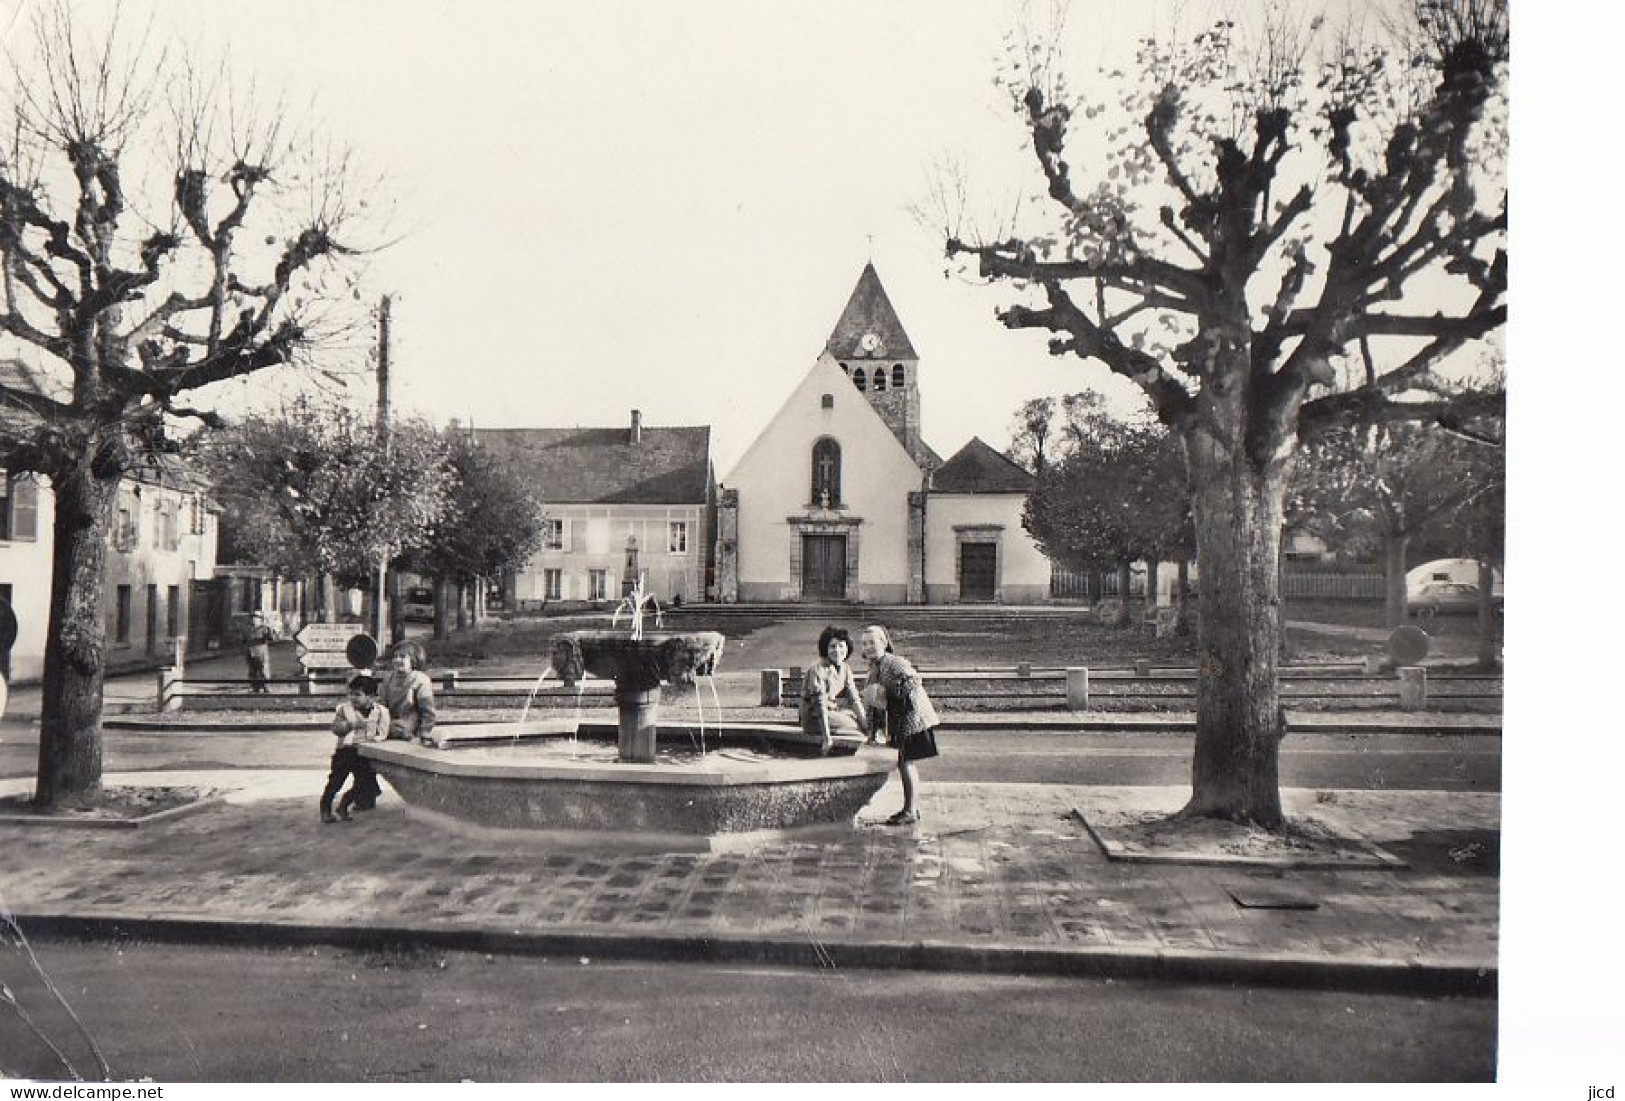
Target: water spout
x=634, y=604
x=537, y=687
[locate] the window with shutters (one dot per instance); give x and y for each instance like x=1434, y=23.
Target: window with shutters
x=121, y=624
x=19, y=511
x=170, y=524
x=127, y=531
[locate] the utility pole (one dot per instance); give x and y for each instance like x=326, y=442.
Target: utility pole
x=380, y=598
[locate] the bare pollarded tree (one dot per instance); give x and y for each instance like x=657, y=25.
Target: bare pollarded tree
x=1271, y=241
x=157, y=237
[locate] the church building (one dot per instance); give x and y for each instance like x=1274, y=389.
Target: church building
x=840, y=499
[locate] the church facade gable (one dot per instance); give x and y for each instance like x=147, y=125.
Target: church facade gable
x=841, y=500
x=818, y=509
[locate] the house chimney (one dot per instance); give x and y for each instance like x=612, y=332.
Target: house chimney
x=636, y=435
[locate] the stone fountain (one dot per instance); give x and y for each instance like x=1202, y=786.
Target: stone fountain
x=753, y=779
x=638, y=666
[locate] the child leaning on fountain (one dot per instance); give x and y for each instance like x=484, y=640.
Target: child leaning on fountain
x=409, y=695
x=358, y=719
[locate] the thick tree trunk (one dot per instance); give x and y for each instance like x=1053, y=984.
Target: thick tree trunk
x=397, y=608
x=1488, y=621
x=1125, y=615
x=1153, y=579
x=1238, y=508
x=70, y=745
x=1394, y=546
x=442, y=627
x=462, y=606
x=1182, y=598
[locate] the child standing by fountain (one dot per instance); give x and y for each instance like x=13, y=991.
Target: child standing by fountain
x=911, y=720
x=358, y=719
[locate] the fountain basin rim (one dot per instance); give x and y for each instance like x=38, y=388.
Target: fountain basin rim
x=620, y=635
x=707, y=772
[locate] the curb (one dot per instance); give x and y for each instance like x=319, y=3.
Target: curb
x=1129, y=724
x=49, y=822
x=1139, y=724
x=1361, y=974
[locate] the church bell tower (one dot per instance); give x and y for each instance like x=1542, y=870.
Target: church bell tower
x=870, y=346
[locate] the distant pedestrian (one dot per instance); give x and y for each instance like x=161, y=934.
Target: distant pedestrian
x=911, y=720
x=409, y=695
x=830, y=703
x=257, y=652
x=358, y=720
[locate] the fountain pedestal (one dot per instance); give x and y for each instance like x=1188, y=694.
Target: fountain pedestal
x=639, y=710
x=638, y=666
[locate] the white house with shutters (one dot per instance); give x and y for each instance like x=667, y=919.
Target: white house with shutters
x=160, y=555
x=839, y=499
x=616, y=504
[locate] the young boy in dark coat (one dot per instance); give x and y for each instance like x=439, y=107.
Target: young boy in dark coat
x=358, y=720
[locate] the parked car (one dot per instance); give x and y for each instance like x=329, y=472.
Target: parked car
x=1434, y=597
x=419, y=606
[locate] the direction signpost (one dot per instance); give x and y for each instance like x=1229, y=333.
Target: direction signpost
x=327, y=645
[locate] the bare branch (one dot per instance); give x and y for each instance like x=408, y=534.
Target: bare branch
x=1086, y=339
x=1015, y=260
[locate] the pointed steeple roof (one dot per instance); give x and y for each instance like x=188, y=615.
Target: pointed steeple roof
x=868, y=312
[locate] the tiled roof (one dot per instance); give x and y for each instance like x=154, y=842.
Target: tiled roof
x=977, y=468
x=869, y=311
x=15, y=375
x=668, y=466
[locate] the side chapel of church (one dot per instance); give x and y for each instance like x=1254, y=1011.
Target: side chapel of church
x=839, y=499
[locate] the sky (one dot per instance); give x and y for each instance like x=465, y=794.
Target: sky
x=664, y=206
x=658, y=206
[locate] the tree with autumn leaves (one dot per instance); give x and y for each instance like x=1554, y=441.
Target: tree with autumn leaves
x=1113, y=493
x=317, y=489
x=1290, y=230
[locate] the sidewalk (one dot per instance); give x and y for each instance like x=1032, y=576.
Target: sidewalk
x=999, y=877
x=1299, y=722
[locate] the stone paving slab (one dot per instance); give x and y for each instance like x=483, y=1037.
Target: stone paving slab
x=998, y=875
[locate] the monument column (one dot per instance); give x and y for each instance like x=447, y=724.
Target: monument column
x=728, y=547
x=916, y=548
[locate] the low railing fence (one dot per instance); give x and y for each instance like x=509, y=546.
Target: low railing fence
x=1021, y=687
x=314, y=690
x=1027, y=687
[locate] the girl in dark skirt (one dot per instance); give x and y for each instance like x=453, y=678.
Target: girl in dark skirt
x=911, y=720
